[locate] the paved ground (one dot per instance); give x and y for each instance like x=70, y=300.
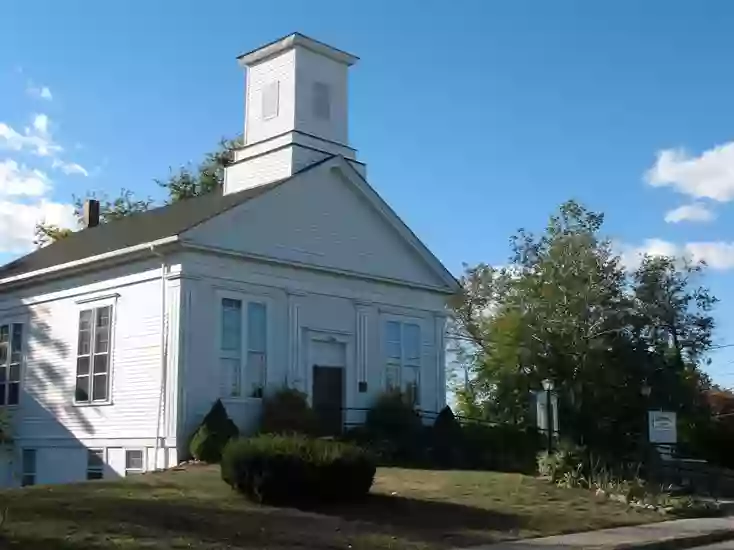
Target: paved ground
x=683, y=533
x=721, y=546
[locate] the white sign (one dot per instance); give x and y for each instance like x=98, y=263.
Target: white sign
x=662, y=427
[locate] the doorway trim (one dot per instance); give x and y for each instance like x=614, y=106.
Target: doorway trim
x=331, y=337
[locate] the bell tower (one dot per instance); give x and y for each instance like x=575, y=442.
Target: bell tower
x=296, y=111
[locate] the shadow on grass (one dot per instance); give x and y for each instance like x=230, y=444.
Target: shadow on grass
x=97, y=520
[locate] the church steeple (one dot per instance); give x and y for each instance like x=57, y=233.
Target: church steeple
x=296, y=110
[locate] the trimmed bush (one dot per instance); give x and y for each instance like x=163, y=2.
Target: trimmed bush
x=504, y=448
x=287, y=412
x=395, y=429
x=446, y=440
x=279, y=469
x=212, y=435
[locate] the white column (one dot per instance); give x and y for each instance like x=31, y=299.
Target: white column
x=440, y=349
x=363, y=312
x=295, y=378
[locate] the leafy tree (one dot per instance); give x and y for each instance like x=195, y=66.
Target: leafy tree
x=184, y=183
x=567, y=310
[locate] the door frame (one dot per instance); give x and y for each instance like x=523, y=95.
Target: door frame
x=331, y=337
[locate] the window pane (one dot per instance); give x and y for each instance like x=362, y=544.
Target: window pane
x=256, y=365
x=82, y=365
x=3, y=353
x=85, y=319
x=3, y=374
x=99, y=389
x=256, y=326
x=28, y=479
x=134, y=460
x=14, y=373
x=95, y=474
x=85, y=331
x=411, y=384
x=81, y=393
x=95, y=458
x=101, y=339
x=29, y=461
x=2, y=394
x=4, y=333
x=13, y=392
x=16, y=346
x=412, y=334
x=392, y=338
x=231, y=325
x=392, y=378
x=100, y=364
x=103, y=316
x=230, y=377
x=84, y=344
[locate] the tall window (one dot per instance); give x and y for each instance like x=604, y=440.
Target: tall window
x=95, y=463
x=403, y=347
x=93, y=355
x=11, y=358
x=240, y=333
x=28, y=464
x=321, y=100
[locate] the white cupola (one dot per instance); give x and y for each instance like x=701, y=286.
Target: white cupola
x=296, y=111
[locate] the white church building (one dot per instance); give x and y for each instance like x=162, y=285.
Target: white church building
x=117, y=340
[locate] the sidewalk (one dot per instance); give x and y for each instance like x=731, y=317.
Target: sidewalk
x=681, y=533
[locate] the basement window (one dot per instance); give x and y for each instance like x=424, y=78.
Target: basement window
x=133, y=462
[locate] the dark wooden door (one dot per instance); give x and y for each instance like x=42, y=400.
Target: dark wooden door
x=328, y=398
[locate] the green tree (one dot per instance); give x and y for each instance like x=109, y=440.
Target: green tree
x=567, y=310
x=184, y=183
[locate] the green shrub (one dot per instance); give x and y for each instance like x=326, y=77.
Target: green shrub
x=279, y=469
x=505, y=447
x=567, y=462
x=447, y=443
x=287, y=412
x=212, y=434
x=395, y=429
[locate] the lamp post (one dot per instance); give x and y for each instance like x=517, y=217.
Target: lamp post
x=548, y=387
x=645, y=391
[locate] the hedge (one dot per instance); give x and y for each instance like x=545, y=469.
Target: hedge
x=294, y=469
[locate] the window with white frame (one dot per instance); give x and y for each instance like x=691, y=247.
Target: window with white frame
x=134, y=462
x=11, y=359
x=95, y=463
x=28, y=465
x=243, y=348
x=93, y=355
x=403, y=361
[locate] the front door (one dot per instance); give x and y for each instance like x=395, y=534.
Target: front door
x=328, y=398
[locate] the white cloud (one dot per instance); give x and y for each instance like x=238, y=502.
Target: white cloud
x=18, y=222
x=70, y=168
x=18, y=180
x=38, y=142
x=709, y=175
x=696, y=212
x=718, y=255
x=41, y=92
x=40, y=123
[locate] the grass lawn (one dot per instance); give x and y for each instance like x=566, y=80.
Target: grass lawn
x=194, y=509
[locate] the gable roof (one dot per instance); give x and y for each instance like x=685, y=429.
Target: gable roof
x=165, y=221
x=174, y=219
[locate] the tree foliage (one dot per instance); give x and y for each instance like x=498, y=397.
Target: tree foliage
x=568, y=310
x=184, y=183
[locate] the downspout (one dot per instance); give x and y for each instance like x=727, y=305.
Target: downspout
x=164, y=357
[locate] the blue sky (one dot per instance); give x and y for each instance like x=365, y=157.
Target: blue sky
x=474, y=117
